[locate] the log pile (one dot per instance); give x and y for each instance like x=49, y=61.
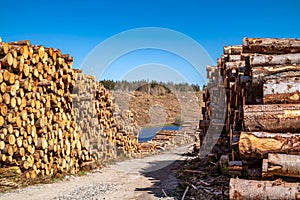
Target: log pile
x=106, y=131
x=166, y=139
x=262, y=83
x=38, y=131
x=53, y=118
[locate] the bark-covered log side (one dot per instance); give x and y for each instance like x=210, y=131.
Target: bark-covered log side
x=271, y=45
x=257, y=145
x=251, y=189
x=262, y=73
x=283, y=91
x=281, y=165
x=272, y=118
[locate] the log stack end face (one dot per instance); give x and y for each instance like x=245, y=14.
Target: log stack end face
x=49, y=124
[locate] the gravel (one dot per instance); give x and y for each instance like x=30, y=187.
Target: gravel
x=91, y=192
x=138, y=179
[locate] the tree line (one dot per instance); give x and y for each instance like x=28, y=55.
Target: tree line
x=148, y=86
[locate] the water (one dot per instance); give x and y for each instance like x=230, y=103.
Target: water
x=148, y=133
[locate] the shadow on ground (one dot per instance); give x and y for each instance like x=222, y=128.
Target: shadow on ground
x=163, y=176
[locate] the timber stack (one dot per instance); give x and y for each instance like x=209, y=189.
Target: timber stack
x=53, y=118
x=106, y=130
x=261, y=79
x=38, y=131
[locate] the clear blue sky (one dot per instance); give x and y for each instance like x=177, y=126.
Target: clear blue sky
x=76, y=27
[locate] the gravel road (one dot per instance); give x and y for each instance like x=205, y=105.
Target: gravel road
x=146, y=179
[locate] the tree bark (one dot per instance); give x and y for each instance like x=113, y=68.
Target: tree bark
x=261, y=73
x=240, y=189
x=271, y=45
x=272, y=118
x=233, y=50
x=257, y=145
x=281, y=165
x=279, y=90
x=273, y=59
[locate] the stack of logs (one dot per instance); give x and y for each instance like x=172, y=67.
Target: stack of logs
x=105, y=130
x=261, y=79
x=54, y=119
x=38, y=131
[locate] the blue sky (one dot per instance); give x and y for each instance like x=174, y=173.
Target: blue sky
x=76, y=27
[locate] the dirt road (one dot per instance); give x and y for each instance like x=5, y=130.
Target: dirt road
x=144, y=179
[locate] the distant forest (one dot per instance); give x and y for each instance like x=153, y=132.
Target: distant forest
x=153, y=87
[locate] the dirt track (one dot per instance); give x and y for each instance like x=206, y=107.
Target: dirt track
x=144, y=179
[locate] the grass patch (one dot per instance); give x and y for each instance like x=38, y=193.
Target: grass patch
x=82, y=173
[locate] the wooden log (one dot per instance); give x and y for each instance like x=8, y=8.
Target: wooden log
x=234, y=65
x=41, y=143
x=3, y=110
x=233, y=50
x=26, y=70
x=12, y=90
x=272, y=117
x=261, y=73
x=10, y=139
x=281, y=165
x=271, y=45
x=21, y=50
x=283, y=59
x=251, y=189
x=2, y=144
x=278, y=91
x=233, y=58
x=7, y=61
x=40, y=50
x=4, y=48
x=20, y=43
x=235, y=168
x=6, y=98
x=3, y=87
x=6, y=75
x=1, y=121
x=258, y=144
x=8, y=150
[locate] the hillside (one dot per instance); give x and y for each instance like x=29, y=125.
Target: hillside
x=151, y=110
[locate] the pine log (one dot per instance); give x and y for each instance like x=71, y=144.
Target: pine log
x=3, y=110
x=240, y=189
x=278, y=91
x=259, y=144
x=260, y=73
x=10, y=139
x=273, y=59
x=233, y=58
x=21, y=50
x=271, y=45
x=7, y=61
x=4, y=48
x=233, y=50
x=6, y=98
x=21, y=43
x=234, y=65
x=3, y=87
x=1, y=121
x=272, y=117
x=281, y=165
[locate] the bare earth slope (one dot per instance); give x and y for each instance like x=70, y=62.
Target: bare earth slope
x=159, y=109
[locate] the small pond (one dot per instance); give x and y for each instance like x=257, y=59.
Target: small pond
x=147, y=133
